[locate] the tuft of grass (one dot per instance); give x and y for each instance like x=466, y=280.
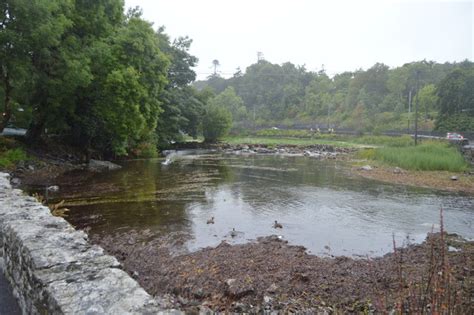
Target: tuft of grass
x=429, y=156
x=10, y=157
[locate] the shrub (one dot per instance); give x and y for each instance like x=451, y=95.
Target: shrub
x=10, y=157
x=216, y=123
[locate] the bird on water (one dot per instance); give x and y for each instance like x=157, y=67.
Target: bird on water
x=277, y=225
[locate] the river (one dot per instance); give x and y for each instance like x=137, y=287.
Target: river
x=321, y=204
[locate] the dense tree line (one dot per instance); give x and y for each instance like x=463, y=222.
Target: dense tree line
x=376, y=99
x=99, y=78
x=95, y=77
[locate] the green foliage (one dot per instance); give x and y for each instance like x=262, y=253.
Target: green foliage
x=10, y=157
x=367, y=154
x=378, y=140
x=286, y=141
x=233, y=103
x=456, y=101
x=427, y=99
x=430, y=156
x=375, y=99
x=216, y=123
x=457, y=122
x=398, y=141
x=181, y=103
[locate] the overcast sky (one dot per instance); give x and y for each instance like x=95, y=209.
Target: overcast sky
x=341, y=35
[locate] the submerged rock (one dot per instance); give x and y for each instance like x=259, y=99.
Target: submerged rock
x=101, y=166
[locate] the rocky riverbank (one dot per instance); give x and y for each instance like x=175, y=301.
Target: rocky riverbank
x=269, y=275
x=441, y=180
x=317, y=151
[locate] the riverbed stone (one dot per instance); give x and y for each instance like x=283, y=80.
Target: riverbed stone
x=366, y=168
x=101, y=166
x=53, y=269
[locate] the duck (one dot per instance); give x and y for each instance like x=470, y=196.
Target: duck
x=210, y=221
x=277, y=225
x=233, y=233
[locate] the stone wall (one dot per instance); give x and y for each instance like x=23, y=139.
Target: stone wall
x=54, y=270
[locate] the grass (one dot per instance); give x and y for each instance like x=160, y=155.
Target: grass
x=429, y=156
x=10, y=157
x=306, y=137
x=11, y=153
x=286, y=141
x=396, y=151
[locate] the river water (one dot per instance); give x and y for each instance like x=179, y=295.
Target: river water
x=320, y=204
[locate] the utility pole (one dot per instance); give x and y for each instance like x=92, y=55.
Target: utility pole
x=416, y=108
x=409, y=109
x=328, y=117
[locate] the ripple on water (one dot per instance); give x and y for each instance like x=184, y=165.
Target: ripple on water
x=319, y=205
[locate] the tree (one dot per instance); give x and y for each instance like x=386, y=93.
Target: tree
x=428, y=99
x=181, y=104
x=232, y=102
x=318, y=96
x=30, y=33
x=216, y=122
x=456, y=101
x=215, y=64
x=130, y=60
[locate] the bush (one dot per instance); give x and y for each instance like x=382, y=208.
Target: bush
x=458, y=122
x=216, y=123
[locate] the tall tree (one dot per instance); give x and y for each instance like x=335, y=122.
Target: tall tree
x=30, y=36
x=232, y=102
x=456, y=101
x=182, y=107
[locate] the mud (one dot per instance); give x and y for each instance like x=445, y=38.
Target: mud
x=270, y=275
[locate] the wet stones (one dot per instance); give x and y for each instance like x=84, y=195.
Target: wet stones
x=366, y=168
x=319, y=151
x=238, y=288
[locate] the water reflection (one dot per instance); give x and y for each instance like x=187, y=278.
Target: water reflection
x=320, y=204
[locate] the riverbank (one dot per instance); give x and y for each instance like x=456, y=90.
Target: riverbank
x=269, y=275
x=441, y=180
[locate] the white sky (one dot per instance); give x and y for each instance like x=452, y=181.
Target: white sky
x=341, y=35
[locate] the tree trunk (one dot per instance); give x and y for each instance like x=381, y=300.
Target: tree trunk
x=7, y=113
x=36, y=128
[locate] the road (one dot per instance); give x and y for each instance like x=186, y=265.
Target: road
x=13, y=132
x=8, y=304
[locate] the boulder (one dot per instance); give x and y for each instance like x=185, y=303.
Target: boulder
x=366, y=168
